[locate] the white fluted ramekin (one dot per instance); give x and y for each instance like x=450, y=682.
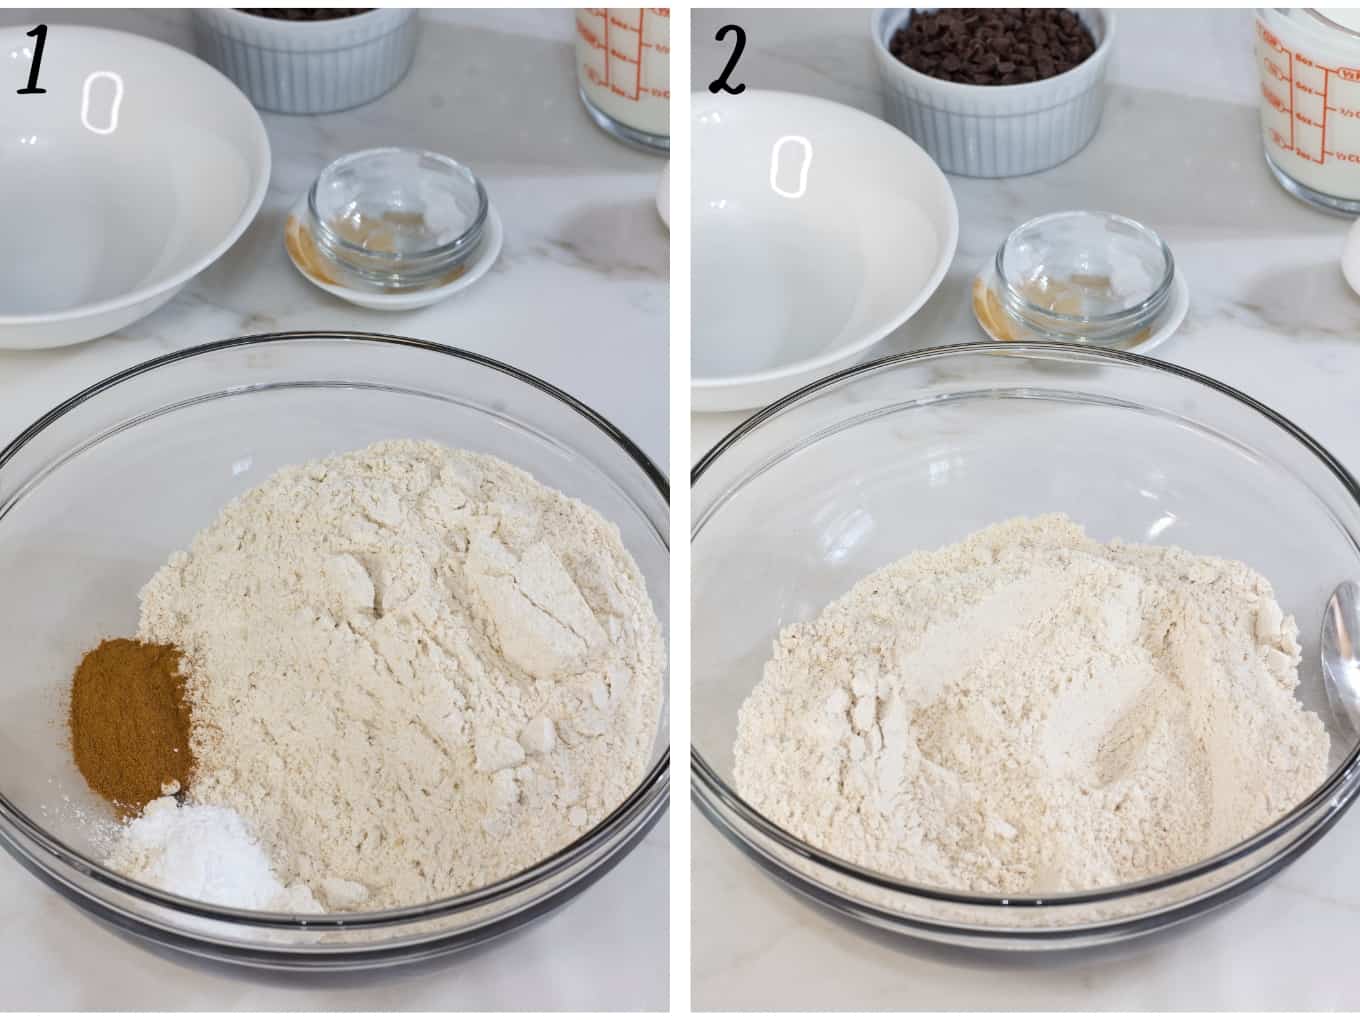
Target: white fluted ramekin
x=308, y=66
x=995, y=130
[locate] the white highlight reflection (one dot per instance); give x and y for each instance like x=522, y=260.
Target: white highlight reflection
x=1161, y=524
x=88, y=88
x=802, y=170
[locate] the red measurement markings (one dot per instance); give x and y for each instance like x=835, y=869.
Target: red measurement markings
x=616, y=52
x=1276, y=71
x=662, y=49
x=1291, y=99
x=1283, y=75
x=595, y=42
x=1324, y=95
x=1322, y=148
x=613, y=49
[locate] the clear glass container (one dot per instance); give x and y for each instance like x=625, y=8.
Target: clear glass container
x=917, y=451
x=623, y=72
x=393, y=219
x=98, y=492
x=1083, y=277
x=1308, y=63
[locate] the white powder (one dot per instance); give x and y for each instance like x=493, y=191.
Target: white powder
x=203, y=853
x=1030, y=711
x=413, y=670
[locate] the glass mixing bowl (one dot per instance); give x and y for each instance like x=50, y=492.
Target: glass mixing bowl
x=98, y=493
x=917, y=451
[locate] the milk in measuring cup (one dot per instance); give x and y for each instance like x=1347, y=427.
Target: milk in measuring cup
x=623, y=67
x=1309, y=64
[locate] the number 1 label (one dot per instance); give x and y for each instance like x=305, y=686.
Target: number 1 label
x=31, y=89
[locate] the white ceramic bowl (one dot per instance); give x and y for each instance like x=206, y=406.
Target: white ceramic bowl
x=308, y=66
x=995, y=130
x=137, y=169
x=817, y=231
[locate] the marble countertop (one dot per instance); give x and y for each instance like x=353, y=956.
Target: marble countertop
x=578, y=297
x=1179, y=148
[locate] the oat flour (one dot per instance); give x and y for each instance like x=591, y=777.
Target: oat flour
x=413, y=670
x=1031, y=711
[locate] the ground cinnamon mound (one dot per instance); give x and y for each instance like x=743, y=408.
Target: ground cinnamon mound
x=130, y=722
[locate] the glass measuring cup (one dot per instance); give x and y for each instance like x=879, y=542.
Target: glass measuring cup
x=623, y=70
x=1309, y=65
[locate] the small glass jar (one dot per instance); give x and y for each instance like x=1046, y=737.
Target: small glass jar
x=393, y=220
x=1083, y=277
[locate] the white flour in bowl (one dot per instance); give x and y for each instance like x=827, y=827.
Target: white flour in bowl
x=1030, y=711
x=413, y=671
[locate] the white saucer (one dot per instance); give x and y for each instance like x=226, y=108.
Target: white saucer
x=482, y=261
x=1170, y=319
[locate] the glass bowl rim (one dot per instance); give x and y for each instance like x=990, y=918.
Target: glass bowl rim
x=1342, y=784
x=457, y=248
x=1027, y=310
x=650, y=794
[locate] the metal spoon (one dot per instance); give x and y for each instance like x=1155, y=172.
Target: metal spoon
x=1341, y=653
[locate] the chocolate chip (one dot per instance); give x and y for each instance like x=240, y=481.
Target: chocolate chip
x=992, y=46
x=304, y=13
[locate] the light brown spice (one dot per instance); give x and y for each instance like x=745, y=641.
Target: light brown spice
x=130, y=722
x=302, y=248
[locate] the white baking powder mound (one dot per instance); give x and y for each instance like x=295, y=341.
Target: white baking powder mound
x=203, y=853
x=1031, y=711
